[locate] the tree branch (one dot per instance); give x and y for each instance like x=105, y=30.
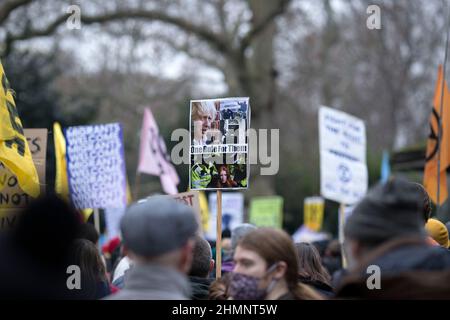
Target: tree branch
x=215, y=40
x=263, y=24
x=220, y=9
x=9, y=6
x=186, y=48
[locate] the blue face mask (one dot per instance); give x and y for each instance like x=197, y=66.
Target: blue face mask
x=244, y=287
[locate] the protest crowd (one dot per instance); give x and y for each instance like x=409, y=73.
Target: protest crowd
x=90, y=236
x=161, y=250
x=160, y=254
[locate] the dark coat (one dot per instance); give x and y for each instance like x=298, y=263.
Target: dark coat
x=408, y=285
x=321, y=287
x=92, y=290
x=332, y=264
x=200, y=287
x=410, y=269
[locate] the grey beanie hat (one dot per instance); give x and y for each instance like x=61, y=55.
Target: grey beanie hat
x=239, y=232
x=389, y=210
x=157, y=225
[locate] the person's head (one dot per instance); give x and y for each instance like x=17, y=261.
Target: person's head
x=226, y=242
x=226, y=233
x=203, y=114
x=224, y=174
x=46, y=228
x=426, y=213
x=309, y=263
x=266, y=266
x=333, y=249
x=202, y=262
x=438, y=232
x=239, y=232
x=87, y=231
x=85, y=255
x=159, y=230
x=389, y=211
x=218, y=290
x=224, y=177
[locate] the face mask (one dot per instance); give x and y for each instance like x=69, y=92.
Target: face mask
x=243, y=287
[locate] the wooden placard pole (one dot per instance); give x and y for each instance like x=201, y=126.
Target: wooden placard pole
x=341, y=229
x=97, y=220
x=219, y=236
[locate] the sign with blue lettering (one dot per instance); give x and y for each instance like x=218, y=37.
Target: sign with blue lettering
x=96, y=166
x=343, y=169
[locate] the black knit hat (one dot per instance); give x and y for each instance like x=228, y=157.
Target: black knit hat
x=389, y=210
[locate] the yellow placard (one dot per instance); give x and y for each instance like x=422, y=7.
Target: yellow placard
x=313, y=210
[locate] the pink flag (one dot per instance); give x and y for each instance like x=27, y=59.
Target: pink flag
x=153, y=157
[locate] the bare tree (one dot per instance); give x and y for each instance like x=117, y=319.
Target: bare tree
x=247, y=56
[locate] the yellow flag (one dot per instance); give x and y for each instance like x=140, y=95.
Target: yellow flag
x=6, y=103
x=204, y=210
x=14, y=151
x=61, y=182
x=87, y=213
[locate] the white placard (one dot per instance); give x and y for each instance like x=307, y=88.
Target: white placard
x=96, y=166
x=232, y=212
x=343, y=169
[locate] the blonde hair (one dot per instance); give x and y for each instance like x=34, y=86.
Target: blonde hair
x=204, y=107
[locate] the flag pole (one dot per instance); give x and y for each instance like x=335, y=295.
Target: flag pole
x=219, y=235
x=137, y=182
x=97, y=220
x=440, y=112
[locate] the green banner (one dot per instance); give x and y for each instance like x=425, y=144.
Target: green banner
x=267, y=211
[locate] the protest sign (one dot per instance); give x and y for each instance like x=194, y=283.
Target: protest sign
x=267, y=211
x=96, y=166
x=153, y=156
x=11, y=195
x=232, y=212
x=219, y=144
x=313, y=210
x=305, y=234
x=219, y=151
x=343, y=169
x=192, y=199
